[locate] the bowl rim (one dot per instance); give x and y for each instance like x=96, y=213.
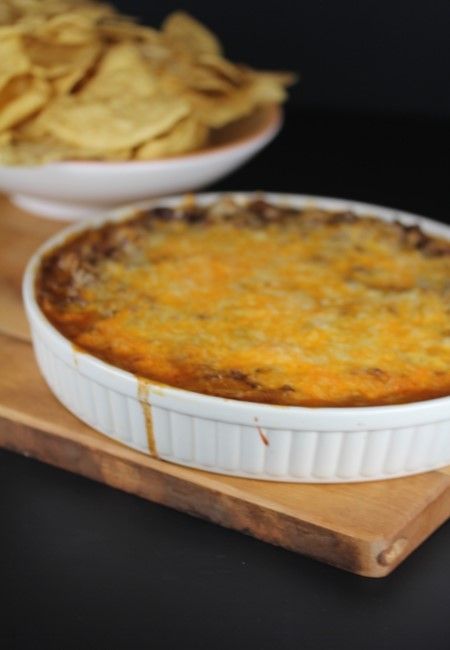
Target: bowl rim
x=273, y=120
x=319, y=418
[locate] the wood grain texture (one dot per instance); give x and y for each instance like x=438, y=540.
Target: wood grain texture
x=20, y=236
x=367, y=528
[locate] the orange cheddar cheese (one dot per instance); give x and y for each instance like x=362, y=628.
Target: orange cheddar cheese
x=253, y=301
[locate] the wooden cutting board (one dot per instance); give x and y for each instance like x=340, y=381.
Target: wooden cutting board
x=366, y=528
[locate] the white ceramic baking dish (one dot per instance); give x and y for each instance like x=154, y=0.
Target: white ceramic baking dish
x=261, y=441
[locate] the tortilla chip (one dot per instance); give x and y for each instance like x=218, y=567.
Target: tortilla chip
x=52, y=60
x=65, y=84
x=5, y=138
x=13, y=61
x=49, y=149
x=121, y=28
x=67, y=29
x=122, y=122
x=189, y=34
x=187, y=135
x=220, y=109
x=121, y=70
x=233, y=73
x=7, y=15
x=21, y=97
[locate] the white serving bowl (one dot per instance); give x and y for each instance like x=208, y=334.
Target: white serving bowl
x=77, y=190
x=261, y=441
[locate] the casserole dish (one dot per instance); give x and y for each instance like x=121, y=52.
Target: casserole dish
x=218, y=434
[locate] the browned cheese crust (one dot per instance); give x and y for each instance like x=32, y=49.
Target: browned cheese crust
x=252, y=301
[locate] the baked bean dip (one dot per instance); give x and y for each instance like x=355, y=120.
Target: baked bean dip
x=253, y=301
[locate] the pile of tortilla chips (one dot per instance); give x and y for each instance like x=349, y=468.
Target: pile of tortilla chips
x=78, y=81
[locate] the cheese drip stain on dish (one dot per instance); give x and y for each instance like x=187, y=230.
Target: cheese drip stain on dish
x=264, y=438
x=262, y=435
x=143, y=395
x=75, y=352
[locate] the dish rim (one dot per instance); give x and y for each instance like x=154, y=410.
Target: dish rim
x=324, y=419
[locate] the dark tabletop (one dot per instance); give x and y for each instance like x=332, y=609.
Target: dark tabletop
x=85, y=566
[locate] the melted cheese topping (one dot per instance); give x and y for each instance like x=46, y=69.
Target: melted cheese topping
x=306, y=308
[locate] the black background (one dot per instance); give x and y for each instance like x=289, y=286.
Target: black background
x=85, y=566
x=371, y=55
